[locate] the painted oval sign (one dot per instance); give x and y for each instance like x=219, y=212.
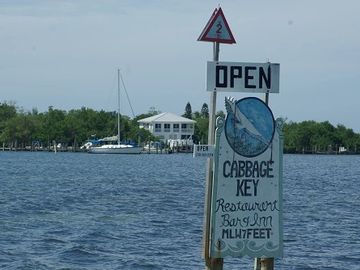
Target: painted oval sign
x=249, y=127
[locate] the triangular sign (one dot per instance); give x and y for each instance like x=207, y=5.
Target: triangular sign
x=217, y=29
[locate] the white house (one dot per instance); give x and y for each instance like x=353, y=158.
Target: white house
x=169, y=127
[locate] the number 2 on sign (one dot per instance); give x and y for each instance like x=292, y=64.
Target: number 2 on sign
x=219, y=27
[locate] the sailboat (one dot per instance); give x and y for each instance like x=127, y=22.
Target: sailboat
x=119, y=148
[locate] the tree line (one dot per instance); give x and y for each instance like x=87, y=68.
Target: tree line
x=70, y=128
x=319, y=137
x=19, y=128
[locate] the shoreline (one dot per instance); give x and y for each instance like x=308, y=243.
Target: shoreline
x=164, y=151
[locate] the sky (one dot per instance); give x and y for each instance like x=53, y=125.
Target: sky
x=66, y=54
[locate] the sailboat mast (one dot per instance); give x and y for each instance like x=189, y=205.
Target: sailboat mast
x=118, y=118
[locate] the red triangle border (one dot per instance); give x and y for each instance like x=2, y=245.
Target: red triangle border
x=209, y=25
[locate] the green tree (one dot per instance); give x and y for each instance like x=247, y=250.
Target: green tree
x=201, y=130
x=19, y=130
x=205, y=111
x=188, y=111
x=7, y=111
x=54, y=125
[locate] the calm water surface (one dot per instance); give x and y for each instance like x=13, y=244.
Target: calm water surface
x=82, y=211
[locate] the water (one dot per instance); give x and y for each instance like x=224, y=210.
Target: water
x=82, y=211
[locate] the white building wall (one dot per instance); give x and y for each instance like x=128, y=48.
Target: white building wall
x=168, y=126
x=166, y=134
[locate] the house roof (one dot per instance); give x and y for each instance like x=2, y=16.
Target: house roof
x=166, y=117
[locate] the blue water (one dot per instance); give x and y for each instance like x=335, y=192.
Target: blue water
x=82, y=211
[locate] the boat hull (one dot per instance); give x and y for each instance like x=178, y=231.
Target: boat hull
x=115, y=150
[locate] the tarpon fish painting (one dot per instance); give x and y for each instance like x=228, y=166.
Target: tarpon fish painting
x=241, y=121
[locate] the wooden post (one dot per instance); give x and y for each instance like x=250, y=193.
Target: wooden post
x=267, y=263
x=264, y=263
x=74, y=148
x=211, y=263
x=257, y=264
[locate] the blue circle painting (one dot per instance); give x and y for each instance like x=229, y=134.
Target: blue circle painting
x=249, y=126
